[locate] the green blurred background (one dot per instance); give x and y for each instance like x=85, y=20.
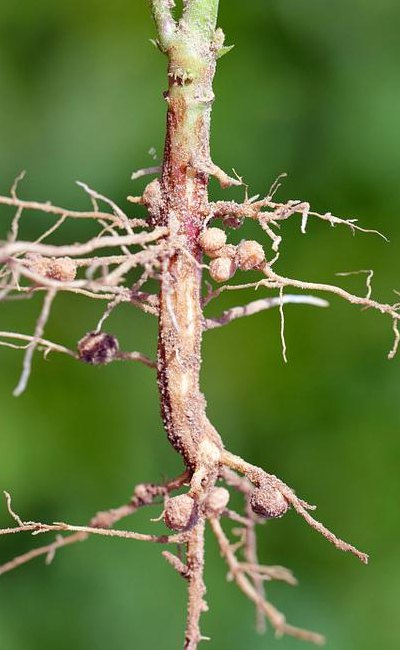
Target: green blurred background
x=312, y=88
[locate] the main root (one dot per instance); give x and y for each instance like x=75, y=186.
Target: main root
x=31, y=267
x=121, y=264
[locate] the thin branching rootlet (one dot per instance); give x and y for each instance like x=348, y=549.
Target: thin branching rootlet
x=184, y=237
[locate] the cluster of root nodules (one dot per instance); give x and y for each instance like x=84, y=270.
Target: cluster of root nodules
x=185, y=516
x=115, y=266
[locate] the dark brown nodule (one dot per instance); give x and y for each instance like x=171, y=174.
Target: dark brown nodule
x=98, y=348
x=268, y=502
x=181, y=513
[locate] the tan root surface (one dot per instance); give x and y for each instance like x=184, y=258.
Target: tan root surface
x=184, y=237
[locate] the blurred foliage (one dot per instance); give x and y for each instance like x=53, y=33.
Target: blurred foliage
x=312, y=88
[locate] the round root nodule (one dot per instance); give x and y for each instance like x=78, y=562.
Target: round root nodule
x=98, y=348
x=250, y=255
x=216, y=501
x=268, y=502
x=181, y=513
x=212, y=239
x=62, y=269
x=222, y=269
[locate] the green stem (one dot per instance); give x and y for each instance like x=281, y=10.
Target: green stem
x=164, y=20
x=182, y=207
x=201, y=16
